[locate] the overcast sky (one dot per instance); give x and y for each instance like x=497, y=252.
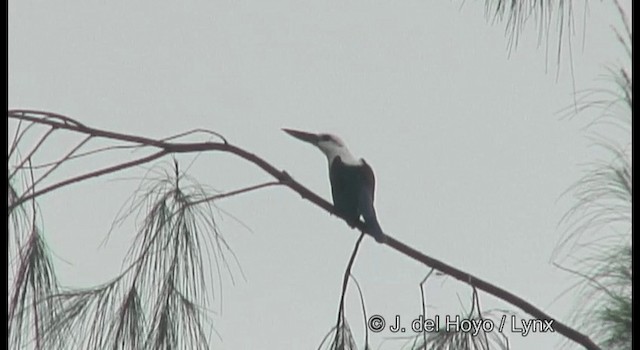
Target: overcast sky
x=469, y=149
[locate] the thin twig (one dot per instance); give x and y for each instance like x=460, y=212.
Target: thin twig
x=16, y=139
x=364, y=311
x=59, y=162
x=33, y=151
x=70, y=181
x=345, y=282
x=236, y=192
x=424, y=304
x=87, y=153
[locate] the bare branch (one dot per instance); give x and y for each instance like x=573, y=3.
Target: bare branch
x=338, y=340
x=236, y=192
x=35, y=148
x=79, y=178
x=59, y=162
x=364, y=311
x=285, y=179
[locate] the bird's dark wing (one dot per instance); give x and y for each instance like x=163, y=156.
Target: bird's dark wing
x=344, y=188
x=365, y=202
x=368, y=179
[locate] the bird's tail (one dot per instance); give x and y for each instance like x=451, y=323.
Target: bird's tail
x=369, y=216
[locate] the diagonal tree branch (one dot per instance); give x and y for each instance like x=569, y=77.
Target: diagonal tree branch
x=68, y=124
x=86, y=176
x=59, y=162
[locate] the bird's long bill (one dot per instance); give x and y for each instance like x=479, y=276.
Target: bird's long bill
x=304, y=136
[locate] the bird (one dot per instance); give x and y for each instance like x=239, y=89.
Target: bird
x=352, y=180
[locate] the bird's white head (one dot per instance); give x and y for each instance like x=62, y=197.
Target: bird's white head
x=331, y=145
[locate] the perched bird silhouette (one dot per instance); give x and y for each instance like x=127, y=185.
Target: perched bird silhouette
x=352, y=180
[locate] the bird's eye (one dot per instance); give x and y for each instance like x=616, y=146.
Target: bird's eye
x=325, y=138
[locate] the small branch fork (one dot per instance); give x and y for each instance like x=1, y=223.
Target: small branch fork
x=165, y=147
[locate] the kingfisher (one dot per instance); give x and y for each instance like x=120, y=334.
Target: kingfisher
x=352, y=180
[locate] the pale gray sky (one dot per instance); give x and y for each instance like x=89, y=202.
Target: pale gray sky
x=470, y=153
